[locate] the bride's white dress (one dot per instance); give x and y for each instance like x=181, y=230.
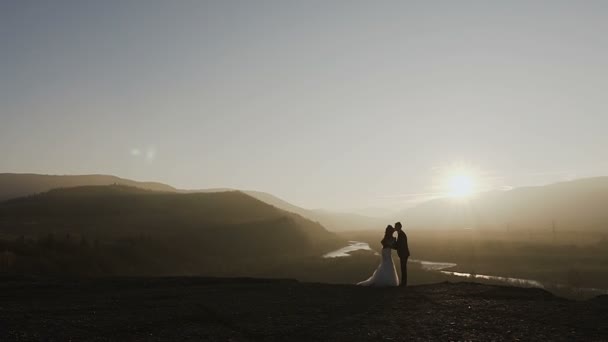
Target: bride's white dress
x=385, y=274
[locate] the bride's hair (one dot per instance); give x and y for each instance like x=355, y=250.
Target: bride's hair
x=388, y=233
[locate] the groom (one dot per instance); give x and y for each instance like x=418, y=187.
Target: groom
x=403, y=251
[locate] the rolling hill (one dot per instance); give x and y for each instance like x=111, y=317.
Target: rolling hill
x=574, y=205
x=578, y=205
x=118, y=210
x=161, y=232
x=334, y=221
x=14, y=185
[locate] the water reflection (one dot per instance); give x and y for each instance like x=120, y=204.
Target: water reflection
x=352, y=247
x=512, y=281
x=441, y=267
x=432, y=265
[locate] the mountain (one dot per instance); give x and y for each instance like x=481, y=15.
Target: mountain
x=334, y=221
x=185, y=227
x=578, y=205
x=573, y=205
x=13, y=185
x=17, y=185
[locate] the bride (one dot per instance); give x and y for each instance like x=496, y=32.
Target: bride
x=385, y=274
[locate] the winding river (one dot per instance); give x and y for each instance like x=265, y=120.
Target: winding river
x=443, y=268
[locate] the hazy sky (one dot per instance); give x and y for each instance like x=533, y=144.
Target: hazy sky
x=335, y=104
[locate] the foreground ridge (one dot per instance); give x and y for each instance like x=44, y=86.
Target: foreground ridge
x=242, y=309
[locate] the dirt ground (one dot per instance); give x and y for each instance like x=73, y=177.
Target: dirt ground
x=208, y=309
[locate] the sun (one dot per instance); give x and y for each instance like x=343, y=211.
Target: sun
x=461, y=185
x=459, y=180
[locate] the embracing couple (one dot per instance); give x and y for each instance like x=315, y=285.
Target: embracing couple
x=385, y=274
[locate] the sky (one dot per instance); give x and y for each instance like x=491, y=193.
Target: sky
x=328, y=104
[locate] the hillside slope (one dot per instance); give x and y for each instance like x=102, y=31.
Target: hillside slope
x=13, y=185
x=334, y=221
x=578, y=205
x=172, y=230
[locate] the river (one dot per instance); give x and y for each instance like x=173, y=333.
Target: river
x=443, y=268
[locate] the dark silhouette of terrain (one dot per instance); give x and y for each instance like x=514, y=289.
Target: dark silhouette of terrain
x=208, y=309
x=574, y=205
x=13, y=185
x=122, y=230
x=118, y=229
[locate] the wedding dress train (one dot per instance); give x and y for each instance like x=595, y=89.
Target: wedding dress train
x=385, y=274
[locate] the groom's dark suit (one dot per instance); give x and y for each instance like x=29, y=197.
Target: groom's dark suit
x=404, y=253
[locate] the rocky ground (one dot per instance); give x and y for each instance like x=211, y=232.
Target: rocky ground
x=204, y=309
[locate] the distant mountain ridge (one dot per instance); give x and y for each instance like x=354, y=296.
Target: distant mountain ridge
x=14, y=185
x=573, y=205
x=116, y=229
x=231, y=219
x=334, y=221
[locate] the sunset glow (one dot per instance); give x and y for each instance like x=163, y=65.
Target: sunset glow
x=461, y=185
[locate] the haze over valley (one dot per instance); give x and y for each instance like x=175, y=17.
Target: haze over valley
x=144, y=228
x=576, y=205
x=272, y=170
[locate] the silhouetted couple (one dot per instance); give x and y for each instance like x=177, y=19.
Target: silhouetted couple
x=385, y=274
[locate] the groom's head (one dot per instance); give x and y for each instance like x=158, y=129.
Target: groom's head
x=398, y=226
